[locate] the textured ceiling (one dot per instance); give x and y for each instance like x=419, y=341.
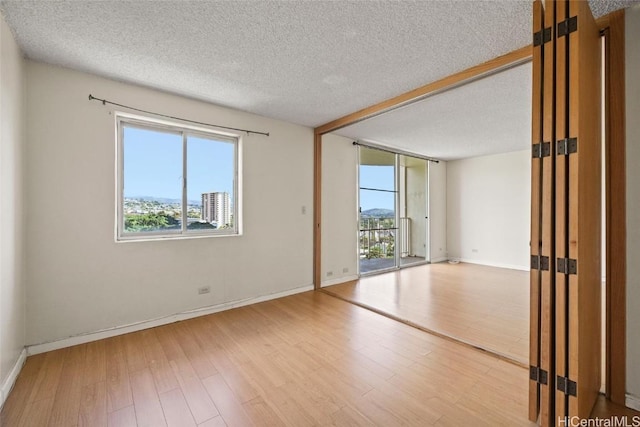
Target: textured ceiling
x=305, y=62
x=487, y=116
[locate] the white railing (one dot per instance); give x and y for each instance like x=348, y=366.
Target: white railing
x=377, y=238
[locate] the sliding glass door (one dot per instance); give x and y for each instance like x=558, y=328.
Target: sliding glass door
x=413, y=222
x=393, y=211
x=378, y=214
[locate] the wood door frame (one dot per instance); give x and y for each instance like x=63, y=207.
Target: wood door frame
x=612, y=26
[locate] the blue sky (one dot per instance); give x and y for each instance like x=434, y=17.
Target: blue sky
x=378, y=177
x=153, y=165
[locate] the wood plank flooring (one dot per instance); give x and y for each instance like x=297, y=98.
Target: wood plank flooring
x=483, y=306
x=308, y=359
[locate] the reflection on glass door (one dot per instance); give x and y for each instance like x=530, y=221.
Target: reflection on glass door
x=378, y=211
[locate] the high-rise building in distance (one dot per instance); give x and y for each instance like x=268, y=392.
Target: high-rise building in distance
x=216, y=207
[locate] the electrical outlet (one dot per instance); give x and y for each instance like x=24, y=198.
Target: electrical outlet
x=475, y=251
x=204, y=290
x=304, y=210
x=345, y=270
x=329, y=273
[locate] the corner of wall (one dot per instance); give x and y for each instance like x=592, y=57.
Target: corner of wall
x=12, y=281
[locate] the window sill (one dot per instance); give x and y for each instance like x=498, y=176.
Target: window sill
x=168, y=238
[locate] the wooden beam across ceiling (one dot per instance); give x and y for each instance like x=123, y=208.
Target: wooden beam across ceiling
x=508, y=60
x=494, y=65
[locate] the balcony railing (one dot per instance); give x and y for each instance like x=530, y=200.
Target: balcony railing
x=377, y=237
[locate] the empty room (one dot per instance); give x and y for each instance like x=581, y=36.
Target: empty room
x=319, y=213
x=445, y=228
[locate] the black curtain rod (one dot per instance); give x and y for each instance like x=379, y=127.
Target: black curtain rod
x=394, y=151
x=104, y=102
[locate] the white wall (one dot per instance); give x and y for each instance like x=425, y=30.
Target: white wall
x=80, y=280
x=438, y=211
x=12, y=288
x=488, y=209
x=632, y=26
x=339, y=209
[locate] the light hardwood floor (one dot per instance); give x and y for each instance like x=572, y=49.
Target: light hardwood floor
x=483, y=306
x=308, y=359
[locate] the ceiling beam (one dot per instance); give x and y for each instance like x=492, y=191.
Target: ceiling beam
x=504, y=61
x=512, y=58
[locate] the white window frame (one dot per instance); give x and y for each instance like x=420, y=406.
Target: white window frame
x=141, y=122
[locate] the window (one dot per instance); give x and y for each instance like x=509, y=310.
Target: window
x=175, y=181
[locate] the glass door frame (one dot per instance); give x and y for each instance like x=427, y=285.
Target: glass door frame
x=427, y=204
x=397, y=264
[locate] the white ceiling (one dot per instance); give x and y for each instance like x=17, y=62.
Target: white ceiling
x=487, y=116
x=305, y=62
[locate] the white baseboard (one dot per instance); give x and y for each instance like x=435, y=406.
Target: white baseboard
x=632, y=402
x=7, y=385
x=495, y=264
x=146, y=324
x=441, y=259
x=338, y=280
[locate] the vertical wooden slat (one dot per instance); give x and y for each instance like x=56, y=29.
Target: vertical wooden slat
x=560, y=211
x=578, y=214
x=616, y=208
x=547, y=347
x=585, y=215
x=536, y=174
